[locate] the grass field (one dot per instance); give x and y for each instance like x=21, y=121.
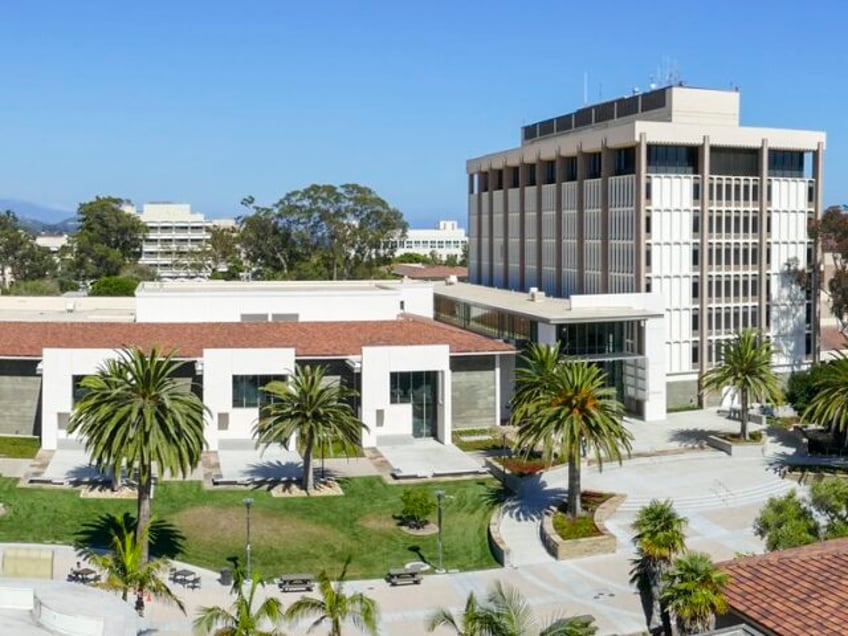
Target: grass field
x=298, y=534
x=19, y=447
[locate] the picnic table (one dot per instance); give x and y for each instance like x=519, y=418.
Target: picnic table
x=86, y=576
x=292, y=582
x=185, y=578
x=401, y=576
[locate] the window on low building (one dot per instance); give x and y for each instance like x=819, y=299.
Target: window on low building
x=248, y=393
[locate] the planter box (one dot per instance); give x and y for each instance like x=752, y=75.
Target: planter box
x=506, y=477
x=747, y=450
x=560, y=549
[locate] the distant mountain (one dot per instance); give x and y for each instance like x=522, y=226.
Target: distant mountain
x=41, y=219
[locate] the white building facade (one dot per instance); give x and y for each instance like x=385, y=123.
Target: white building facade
x=446, y=240
x=177, y=240
x=661, y=192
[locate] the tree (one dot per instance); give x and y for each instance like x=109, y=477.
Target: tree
x=313, y=409
x=114, y=286
x=660, y=537
x=136, y=413
x=746, y=368
x=417, y=506
x=242, y=618
x=831, y=232
x=829, y=405
x=786, y=522
x=336, y=607
x=108, y=238
x=694, y=592
x=322, y=231
x=829, y=499
x=801, y=386
x=561, y=406
x=127, y=568
x=505, y=613
x=20, y=258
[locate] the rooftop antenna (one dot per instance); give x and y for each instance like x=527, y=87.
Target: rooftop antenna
x=652, y=84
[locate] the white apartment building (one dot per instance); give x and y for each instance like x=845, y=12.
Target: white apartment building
x=446, y=239
x=661, y=192
x=176, y=240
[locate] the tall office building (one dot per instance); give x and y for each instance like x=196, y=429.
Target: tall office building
x=662, y=191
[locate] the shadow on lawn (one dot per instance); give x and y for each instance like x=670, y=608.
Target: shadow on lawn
x=166, y=540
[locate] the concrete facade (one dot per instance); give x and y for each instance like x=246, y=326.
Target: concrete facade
x=662, y=192
x=475, y=405
x=282, y=301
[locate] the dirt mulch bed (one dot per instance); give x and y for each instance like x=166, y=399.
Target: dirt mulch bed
x=430, y=528
x=106, y=492
x=328, y=488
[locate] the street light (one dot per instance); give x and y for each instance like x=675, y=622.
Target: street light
x=440, y=494
x=248, y=502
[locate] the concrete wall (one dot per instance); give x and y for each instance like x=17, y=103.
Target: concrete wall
x=377, y=365
x=219, y=367
x=681, y=393
x=474, y=383
x=368, y=301
x=20, y=389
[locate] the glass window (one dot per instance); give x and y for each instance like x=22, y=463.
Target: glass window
x=247, y=390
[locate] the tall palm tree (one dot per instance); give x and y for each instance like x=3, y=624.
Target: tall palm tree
x=336, y=608
x=746, y=368
x=562, y=407
x=694, y=592
x=660, y=537
x=505, y=613
x=313, y=409
x=242, y=618
x=829, y=405
x=126, y=569
x=136, y=413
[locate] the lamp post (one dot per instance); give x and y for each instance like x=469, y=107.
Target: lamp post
x=248, y=502
x=440, y=494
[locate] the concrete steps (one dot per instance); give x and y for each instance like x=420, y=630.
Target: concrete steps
x=719, y=497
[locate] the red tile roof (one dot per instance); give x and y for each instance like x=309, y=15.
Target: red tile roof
x=309, y=339
x=797, y=592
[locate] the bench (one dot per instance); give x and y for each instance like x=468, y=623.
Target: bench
x=295, y=582
x=402, y=576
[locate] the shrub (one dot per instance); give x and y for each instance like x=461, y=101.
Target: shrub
x=417, y=506
x=114, y=286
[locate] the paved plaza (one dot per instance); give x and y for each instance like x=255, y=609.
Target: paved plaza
x=718, y=494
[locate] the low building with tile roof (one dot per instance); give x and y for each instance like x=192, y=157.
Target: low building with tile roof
x=798, y=592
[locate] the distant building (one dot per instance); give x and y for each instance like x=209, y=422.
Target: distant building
x=52, y=242
x=417, y=271
x=446, y=239
x=176, y=240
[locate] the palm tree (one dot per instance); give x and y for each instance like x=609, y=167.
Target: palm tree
x=746, y=368
x=136, y=413
x=126, y=568
x=660, y=537
x=829, y=405
x=336, y=608
x=694, y=592
x=242, y=619
x=311, y=408
x=505, y=613
x=564, y=407
x=474, y=620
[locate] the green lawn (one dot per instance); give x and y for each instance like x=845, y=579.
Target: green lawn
x=19, y=447
x=299, y=534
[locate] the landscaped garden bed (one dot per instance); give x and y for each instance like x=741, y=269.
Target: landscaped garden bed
x=296, y=534
x=480, y=439
x=567, y=538
x=735, y=446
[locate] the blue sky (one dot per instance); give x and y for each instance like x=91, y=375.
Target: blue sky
x=207, y=102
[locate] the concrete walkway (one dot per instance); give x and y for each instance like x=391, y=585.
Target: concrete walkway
x=719, y=495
